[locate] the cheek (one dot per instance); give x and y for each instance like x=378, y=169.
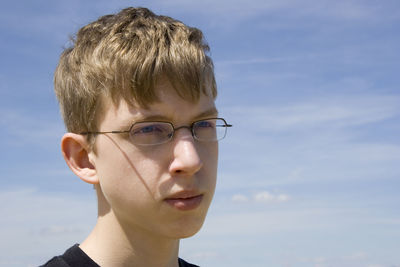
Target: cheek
x=210, y=163
x=127, y=176
x=210, y=155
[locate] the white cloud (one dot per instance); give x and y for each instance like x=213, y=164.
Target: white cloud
x=282, y=198
x=239, y=198
x=266, y=197
x=261, y=197
x=319, y=260
x=360, y=255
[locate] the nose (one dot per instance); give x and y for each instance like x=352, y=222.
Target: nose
x=186, y=159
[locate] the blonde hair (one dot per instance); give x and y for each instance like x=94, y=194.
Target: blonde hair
x=123, y=55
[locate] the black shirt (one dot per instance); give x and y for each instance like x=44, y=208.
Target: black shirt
x=75, y=257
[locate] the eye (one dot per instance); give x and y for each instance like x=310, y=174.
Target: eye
x=205, y=124
x=148, y=129
x=151, y=133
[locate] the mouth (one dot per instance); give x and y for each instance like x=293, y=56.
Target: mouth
x=185, y=201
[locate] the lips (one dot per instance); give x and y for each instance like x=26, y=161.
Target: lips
x=185, y=200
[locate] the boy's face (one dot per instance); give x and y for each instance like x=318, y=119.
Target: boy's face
x=163, y=189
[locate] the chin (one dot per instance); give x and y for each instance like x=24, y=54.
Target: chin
x=189, y=233
x=186, y=229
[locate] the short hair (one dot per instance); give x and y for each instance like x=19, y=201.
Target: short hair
x=122, y=56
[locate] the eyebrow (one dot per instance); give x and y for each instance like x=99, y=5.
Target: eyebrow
x=211, y=112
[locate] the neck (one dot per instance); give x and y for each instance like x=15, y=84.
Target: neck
x=113, y=244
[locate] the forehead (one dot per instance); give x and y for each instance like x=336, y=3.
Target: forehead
x=169, y=107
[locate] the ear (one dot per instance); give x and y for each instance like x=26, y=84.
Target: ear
x=76, y=152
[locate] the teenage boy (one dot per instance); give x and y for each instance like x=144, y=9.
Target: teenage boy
x=137, y=92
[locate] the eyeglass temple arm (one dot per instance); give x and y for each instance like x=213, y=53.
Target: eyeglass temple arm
x=86, y=133
x=127, y=131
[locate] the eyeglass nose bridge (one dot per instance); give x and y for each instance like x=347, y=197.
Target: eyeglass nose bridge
x=190, y=128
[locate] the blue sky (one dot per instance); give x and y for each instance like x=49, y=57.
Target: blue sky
x=309, y=175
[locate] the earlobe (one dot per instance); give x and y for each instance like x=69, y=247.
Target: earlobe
x=75, y=150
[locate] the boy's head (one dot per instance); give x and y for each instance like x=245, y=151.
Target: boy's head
x=143, y=87
x=124, y=56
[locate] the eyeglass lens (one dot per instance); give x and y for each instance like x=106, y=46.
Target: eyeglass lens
x=149, y=133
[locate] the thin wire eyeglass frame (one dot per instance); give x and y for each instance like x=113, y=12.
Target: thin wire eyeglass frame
x=170, y=135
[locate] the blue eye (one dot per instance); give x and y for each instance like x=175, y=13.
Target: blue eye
x=149, y=129
x=204, y=124
x=150, y=133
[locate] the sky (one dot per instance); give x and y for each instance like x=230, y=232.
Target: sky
x=308, y=175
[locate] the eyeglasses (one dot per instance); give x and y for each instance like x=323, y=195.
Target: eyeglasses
x=148, y=133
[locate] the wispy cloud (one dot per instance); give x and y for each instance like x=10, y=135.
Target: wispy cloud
x=57, y=230
x=238, y=10
x=268, y=197
x=240, y=198
x=328, y=112
x=310, y=165
x=332, y=138
x=251, y=61
x=48, y=223
x=305, y=229
x=359, y=255
x=261, y=197
x=22, y=128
